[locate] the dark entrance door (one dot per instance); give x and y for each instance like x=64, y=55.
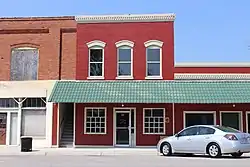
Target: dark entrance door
x=122, y=128
x=3, y=120
x=199, y=119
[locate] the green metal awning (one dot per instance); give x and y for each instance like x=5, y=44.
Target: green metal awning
x=151, y=92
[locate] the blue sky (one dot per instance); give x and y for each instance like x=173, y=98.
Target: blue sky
x=205, y=30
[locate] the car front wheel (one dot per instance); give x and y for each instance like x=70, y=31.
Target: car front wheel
x=166, y=149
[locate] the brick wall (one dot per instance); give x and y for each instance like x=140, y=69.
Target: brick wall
x=53, y=36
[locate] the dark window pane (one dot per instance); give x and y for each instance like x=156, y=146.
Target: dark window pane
x=124, y=69
x=24, y=64
x=96, y=55
x=95, y=112
x=157, y=112
x=146, y=130
x=92, y=130
x=153, y=69
x=102, y=130
x=8, y=103
x=147, y=113
x=101, y=113
x=88, y=130
x=95, y=69
x=33, y=102
x=161, y=130
x=124, y=54
x=97, y=130
x=153, y=54
x=89, y=113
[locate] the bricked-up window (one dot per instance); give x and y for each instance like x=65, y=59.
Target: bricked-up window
x=154, y=121
x=153, y=58
x=24, y=64
x=95, y=121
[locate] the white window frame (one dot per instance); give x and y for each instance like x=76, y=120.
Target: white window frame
x=85, y=120
x=235, y=112
x=247, y=123
x=96, y=44
x=164, y=122
x=153, y=44
x=125, y=44
x=198, y=112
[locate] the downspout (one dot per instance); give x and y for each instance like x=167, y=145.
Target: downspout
x=173, y=119
x=60, y=56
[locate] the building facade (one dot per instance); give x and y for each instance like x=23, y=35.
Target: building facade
x=129, y=92
x=110, y=81
x=34, y=53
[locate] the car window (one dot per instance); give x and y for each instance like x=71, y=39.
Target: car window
x=189, y=132
x=206, y=131
x=227, y=129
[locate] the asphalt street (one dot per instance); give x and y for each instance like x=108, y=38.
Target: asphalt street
x=118, y=161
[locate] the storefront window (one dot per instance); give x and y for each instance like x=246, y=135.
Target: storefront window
x=95, y=121
x=154, y=121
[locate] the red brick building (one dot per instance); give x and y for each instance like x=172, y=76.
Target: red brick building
x=35, y=52
x=129, y=92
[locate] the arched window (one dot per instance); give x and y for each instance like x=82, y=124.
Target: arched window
x=153, y=59
x=24, y=64
x=124, y=59
x=96, y=59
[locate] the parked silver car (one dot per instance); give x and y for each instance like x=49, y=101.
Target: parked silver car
x=206, y=139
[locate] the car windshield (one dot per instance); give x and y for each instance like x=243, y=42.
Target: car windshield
x=227, y=129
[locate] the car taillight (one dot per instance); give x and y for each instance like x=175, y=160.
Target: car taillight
x=230, y=137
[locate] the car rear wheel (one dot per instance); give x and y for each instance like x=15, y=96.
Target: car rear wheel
x=214, y=150
x=166, y=149
x=237, y=155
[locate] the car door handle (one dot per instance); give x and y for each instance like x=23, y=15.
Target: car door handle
x=189, y=139
x=207, y=137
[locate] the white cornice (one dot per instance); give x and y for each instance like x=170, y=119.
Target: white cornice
x=215, y=64
x=211, y=76
x=126, y=18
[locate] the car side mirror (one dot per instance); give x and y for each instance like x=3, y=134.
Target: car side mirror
x=177, y=135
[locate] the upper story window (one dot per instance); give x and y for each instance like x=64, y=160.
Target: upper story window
x=24, y=64
x=96, y=59
x=154, y=59
x=124, y=59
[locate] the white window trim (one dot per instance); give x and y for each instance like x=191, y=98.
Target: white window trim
x=125, y=44
x=235, y=112
x=96, y=44
x=164, y=122
x=247, y=123
x=198, y=112
x=85, y=120
x=154, y=44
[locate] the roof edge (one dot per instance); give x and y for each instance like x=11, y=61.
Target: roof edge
x=34, y=18
x=213, y=64
x=125, y=18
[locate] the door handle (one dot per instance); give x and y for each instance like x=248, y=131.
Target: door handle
x=189, y=139
x=207, y=137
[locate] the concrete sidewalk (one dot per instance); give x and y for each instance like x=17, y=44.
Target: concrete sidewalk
x=10, y=151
